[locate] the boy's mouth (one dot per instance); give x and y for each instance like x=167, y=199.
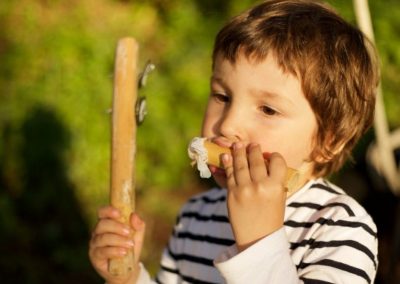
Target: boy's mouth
x=207, y=155
x=222, y=142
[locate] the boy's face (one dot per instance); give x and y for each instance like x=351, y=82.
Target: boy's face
x=258, y=103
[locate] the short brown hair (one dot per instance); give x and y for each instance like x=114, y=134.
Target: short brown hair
x=335, y=63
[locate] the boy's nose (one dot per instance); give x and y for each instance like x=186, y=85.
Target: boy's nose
x=232, y=124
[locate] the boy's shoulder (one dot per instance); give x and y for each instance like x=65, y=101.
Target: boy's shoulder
x=323, y=194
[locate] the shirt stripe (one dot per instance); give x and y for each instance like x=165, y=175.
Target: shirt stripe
x=321, y=207
x=205, y=238
x=328, y=232
x=340, y=266
x=330, y=222
x=199, y=217
x=313, y=244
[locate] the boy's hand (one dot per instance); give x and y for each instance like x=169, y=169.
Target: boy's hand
x=256, y=194
x=110, y=239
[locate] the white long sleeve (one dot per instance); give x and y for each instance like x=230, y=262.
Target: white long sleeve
x=266, y=261
x=144, y=276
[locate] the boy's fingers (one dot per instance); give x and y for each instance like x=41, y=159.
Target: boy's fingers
x=277, y=168
x=111, y=226
x=258, y=169
x=227, y=163
x=105, y=253
x=108, y=212
x=137, y=223
x=113, y=240
x=240, y=164
x=138, y=238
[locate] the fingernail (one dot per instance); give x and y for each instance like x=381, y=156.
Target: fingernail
x=266, y=155
x=225, y=158
x=253, y=145
x=130, y=244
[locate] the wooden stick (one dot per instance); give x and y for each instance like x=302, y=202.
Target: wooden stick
x=123, y=141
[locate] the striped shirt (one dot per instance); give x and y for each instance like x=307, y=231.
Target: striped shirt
x=327, y=238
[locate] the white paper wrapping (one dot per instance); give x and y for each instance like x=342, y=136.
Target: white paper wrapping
x=199, y=155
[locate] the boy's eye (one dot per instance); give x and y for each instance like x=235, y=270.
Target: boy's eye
x=221, y=98
x=268, y=111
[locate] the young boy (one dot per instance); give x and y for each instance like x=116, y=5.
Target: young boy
x=293, y=85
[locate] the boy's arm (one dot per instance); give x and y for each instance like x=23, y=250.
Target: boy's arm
x=266, y=261
x=343, y=251
x=256, y=194
x=256, y=205
x=256, y=208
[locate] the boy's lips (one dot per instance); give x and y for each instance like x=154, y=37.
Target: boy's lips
x=222, y=142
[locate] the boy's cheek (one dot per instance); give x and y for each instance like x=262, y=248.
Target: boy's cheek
x=206, y=129
x=205, y=124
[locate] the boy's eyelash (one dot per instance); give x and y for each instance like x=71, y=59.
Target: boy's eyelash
x=221, y=97
x=268, y=110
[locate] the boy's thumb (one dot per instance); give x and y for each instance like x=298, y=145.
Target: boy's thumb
x=139, y=228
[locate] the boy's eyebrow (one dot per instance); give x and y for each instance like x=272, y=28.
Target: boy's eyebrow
x=219, y=81
x=264, y=93
x=259, y=93
x=272, y=95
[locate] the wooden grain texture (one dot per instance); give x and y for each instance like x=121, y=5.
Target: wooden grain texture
x=123, y=141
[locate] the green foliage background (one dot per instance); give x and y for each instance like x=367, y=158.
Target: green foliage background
x=56, y=68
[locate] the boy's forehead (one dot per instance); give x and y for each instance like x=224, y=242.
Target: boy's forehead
x=271, y=58
x=240, y=54
x=263, y=78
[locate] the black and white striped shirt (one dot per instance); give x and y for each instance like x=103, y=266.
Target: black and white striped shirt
x=327, y=238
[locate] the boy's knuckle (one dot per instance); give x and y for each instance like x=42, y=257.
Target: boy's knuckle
x=241, y=168
x=259, y=186
x=244, y=193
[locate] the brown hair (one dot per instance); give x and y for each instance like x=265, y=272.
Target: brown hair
x=335, y=63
